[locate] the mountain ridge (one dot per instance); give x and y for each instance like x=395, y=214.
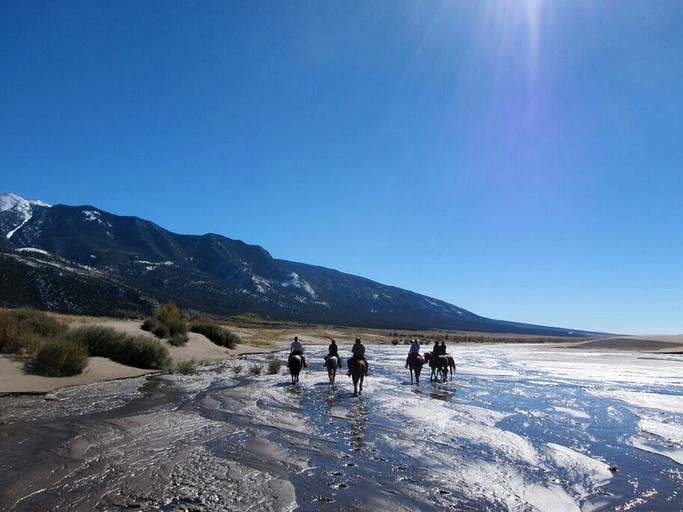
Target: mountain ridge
x=71, y=252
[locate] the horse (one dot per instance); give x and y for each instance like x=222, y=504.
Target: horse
x=451, y=364
x=295, y=363
x=415, y=364
x=332, y=363
x=439, y=365
x=357, y=369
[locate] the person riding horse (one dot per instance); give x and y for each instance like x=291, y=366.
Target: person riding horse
x=414, y=351
x=296, y=349
x=358, y=351
x=333, y=351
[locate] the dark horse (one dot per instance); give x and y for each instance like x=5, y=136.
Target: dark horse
x=415, y=364
x=295, y=364
x=332, y=363
x=357, y=369
x=451, y=364
x=440, y=365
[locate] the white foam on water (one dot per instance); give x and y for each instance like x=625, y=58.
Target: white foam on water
x=644, y=445
x=667, y=441
x=605, y=367
x=502, y=484
x=672, y=433
x=585, y=473
x=574, y=413
x=644, y=399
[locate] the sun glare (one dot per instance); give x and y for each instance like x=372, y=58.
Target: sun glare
x=515, y=29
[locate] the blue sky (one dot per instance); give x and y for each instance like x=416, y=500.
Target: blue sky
x=520, y=159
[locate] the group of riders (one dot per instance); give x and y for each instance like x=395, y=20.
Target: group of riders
x=358, y=352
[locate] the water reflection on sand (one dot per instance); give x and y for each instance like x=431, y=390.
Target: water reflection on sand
x=518, y=428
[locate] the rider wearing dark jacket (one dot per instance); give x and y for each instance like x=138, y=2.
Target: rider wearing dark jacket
x=333, y=351
x=358, y=352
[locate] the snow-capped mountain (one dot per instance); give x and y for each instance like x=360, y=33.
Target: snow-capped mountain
x=88, y=261
x=16, y=211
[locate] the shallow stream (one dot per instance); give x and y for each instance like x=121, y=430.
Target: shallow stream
x=519, y=427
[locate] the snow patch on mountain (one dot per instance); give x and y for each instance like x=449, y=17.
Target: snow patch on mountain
x=22, y=208
x=11, y=201
x=262, y=285
x=33, y=249
x=95, y=216
x=149, y=266
x=295, y=281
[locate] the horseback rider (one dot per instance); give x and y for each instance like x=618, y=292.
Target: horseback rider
x=332, y=351
x=358, y=351
x=296, y=349
x=414, y=351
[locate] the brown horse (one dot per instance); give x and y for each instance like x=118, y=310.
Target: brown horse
x=415, y=364
x=357, y=369
x=295, y=363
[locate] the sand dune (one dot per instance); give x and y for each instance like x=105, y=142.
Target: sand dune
x=14, y=378
x=668, y=344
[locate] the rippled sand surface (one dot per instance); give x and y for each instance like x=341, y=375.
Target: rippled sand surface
x=516, y=428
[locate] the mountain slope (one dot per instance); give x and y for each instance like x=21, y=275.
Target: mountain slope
x=71, y=258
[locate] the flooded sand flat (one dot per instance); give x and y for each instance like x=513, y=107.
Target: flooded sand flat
x=517, y=428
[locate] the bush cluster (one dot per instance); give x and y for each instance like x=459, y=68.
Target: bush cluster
x=168, y=322
x=56, y=350
x=24, y=331
x=156, y=327
x=217, y=334
x=274, y=365
x=171, y=316
x=134, y=351
x=186, y=367
x=60, y=358
x=178, y=340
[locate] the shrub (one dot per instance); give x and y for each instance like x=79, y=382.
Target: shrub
x=24, y=331
x=274, y=365
x=255, y=370
x=217, y=334
x=178, y=340
x=394, y=341
x=171, y=316
x=236, y=370
x=156, y=327
x=134, y=351
x=39, y=322
x=186, y=367
x=60, y=358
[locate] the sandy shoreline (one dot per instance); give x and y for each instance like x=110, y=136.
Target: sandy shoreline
x=15, y=380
